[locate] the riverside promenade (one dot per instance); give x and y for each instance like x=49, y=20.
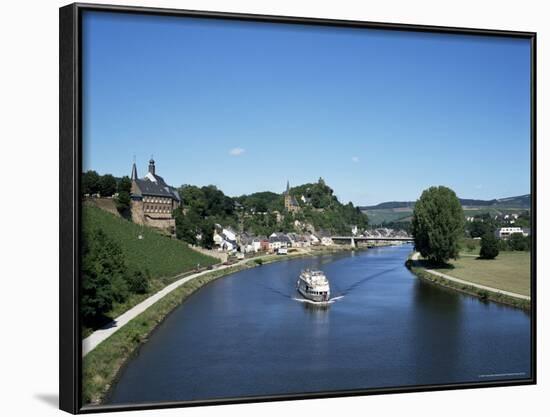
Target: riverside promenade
x=91, y=342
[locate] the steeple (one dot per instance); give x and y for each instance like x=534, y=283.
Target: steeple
x=287, y=186
x=134, y=176
x=152, y=165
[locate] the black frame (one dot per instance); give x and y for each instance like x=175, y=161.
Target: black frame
x=70, y=157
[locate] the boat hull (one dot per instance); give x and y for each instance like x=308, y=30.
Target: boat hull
x=323, y=297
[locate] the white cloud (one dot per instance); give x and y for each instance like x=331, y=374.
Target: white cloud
x=479, y=186
x=355, y=159
x=236, y=151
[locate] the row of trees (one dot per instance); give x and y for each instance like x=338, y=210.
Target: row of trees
x=107, y=186
x=106, y=278
x=93, y=183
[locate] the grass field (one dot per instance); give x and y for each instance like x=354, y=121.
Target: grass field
x=160, y=255
x=510, y=271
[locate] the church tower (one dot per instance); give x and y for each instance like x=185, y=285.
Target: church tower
x=291, y=204
x=134, y=176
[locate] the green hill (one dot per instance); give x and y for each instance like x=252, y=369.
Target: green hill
x=160, y=255
x=401, y=211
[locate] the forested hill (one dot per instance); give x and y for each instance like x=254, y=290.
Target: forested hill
x=263, y=213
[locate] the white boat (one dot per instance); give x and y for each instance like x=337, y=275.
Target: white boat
x=314, y=285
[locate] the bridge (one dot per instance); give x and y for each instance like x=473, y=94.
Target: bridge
x=354, y=239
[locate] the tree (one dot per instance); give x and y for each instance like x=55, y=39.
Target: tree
x=138, y=282
x=207, y=234
x=489, y=246
x=518, y=242
x=107, y=185
x=103, y=276
x=90, y=182
x=438, y=224
x=124, y=185
x=122, y=202
x=187, y=226
x=478, y=227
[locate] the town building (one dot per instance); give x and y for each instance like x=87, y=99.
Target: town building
x=225, y=238
x=152, y=200
x=506, y=232
x=291, y=205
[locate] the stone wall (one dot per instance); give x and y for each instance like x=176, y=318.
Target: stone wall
x=137, y=212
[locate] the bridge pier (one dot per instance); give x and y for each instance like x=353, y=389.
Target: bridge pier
x=353, y=244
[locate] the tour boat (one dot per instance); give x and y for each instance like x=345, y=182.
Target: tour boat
x=314, y=285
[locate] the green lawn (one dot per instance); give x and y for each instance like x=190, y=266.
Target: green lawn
x=510, y=271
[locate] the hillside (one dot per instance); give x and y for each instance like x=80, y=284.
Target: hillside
x=160, y=255
x=522, y=201
x=317, y=208
x=401, y=211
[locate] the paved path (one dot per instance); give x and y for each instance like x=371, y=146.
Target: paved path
x=91, y=342
x=416, y=255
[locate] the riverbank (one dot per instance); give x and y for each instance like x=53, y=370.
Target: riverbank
x=101, y=365
x=483, y=292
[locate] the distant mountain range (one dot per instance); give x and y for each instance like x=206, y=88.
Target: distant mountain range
x=401, y=211
x=521, y=202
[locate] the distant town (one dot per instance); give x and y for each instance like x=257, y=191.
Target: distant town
x=206, y=218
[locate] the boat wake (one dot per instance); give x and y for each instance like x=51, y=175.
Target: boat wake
x=318, y=303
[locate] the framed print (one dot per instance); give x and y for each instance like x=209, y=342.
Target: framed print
x=259, y=208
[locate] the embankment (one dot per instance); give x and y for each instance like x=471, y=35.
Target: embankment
x=482, y=292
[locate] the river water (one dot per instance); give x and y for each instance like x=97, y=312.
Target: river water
x=248, y=334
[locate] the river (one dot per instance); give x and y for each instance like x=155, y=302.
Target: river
x=248, y=334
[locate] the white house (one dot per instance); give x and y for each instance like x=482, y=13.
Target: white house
x=506, y=232
x=314, y=239
x=257, y=245
x=229, y=233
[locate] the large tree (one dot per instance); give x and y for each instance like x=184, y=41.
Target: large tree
x=438, y=224
x=107, y=185
x=90, y=182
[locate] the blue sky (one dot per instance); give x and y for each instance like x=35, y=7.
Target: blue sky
x=380, y=115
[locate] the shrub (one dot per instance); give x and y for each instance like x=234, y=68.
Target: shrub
x=489, y=246
x=519, y=242
x=138, y=282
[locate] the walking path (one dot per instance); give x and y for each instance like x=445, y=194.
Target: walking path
x=91, y=342
x=416, y=255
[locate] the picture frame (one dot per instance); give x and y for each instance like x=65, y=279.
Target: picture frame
x=71, y=168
